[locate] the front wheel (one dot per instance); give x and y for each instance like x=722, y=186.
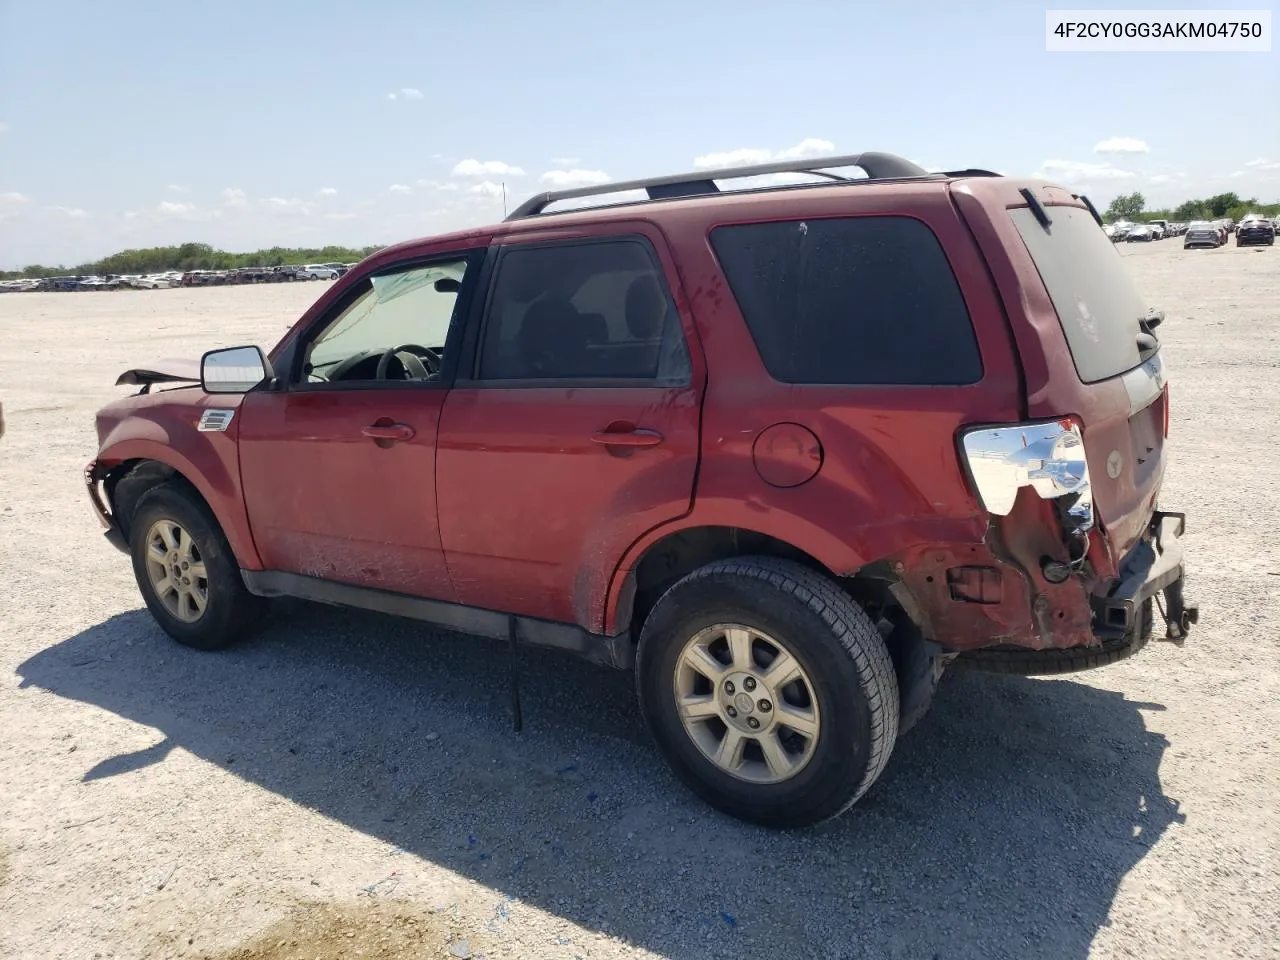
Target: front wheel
x=769, y=691
x=185, y=569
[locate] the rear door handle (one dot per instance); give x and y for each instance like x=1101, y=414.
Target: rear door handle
x=388, y=431
x=637, y=437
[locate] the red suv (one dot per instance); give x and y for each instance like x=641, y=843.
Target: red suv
x=788, y=452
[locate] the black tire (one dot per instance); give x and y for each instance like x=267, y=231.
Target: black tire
x=836, y=644
x=1045, y=663
x=231, y=611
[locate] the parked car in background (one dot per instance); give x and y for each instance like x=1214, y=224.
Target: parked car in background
x=1120, y=230
x=1202, y=233
x=317, y=271
x=787, y=522
x=1255, y=229
x=1140, y=233
x=155, y=281
x=1160, y=228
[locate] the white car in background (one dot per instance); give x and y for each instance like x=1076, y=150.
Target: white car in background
x=153, y=282
x=317, y=271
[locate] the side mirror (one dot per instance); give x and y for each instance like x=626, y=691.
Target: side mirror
x=234, y=370
x=447, y=285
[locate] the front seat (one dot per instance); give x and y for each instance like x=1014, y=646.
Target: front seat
x=552, y=339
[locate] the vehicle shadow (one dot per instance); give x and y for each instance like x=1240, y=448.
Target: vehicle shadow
x=1003, y=827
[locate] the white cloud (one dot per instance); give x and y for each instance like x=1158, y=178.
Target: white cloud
x=1078, y=172
x=339, y=216
x=436, y=185
x=176, y=188
x=400, y=188
x=930, y=167
x=809, y=147
x=328, y=192
x=410, y=93
x=562, y=179
x=391, y=96
x=486, y=168
x=747, y=156
x=488, y=188
x=1259, y=162
x=566, y=161
x=10, y=203
x=4, y=127
x=170, y=209
x=1121, y=145
x=71, y=213
x=286, y=206
x=1161, y=178
x=742, y=157
x=234, y=197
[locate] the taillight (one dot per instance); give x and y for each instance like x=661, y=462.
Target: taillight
x=1048, y=457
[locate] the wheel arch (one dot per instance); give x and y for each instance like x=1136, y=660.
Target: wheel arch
x=134, y=467
x=656, y=565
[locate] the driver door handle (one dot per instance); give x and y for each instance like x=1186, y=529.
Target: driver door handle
x=389, y=431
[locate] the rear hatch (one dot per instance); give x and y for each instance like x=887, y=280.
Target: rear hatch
x=1115, y=379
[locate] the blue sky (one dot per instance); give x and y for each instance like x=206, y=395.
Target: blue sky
x=249, y=124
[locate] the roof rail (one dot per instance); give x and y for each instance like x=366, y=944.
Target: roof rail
x=878, y=166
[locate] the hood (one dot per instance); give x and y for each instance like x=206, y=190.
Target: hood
x=162, y=371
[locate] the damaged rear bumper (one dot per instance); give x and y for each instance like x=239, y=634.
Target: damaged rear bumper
x=1152, y=569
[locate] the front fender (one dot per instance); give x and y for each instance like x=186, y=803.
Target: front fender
x=167, y=433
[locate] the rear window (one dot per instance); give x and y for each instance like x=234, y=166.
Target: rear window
x=1098, y=303
x=855, y=300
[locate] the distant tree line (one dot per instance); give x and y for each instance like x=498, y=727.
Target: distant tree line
x=193, y=256
x=1133, y=206
x=201, y=256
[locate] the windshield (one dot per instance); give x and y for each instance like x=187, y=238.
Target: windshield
x=1098, y=304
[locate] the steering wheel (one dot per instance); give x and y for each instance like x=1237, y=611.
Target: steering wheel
x=418, y=368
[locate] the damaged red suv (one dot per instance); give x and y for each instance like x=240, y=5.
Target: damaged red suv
x=787, y=452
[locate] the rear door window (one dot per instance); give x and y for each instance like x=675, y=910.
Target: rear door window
x=1097, y=301
x=593, y=311
x=853, y=300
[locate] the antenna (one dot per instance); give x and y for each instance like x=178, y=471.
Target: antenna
x=504, y=199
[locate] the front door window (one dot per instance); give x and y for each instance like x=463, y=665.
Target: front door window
x=394, y=330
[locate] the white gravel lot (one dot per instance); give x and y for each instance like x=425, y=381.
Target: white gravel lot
x=349, y=785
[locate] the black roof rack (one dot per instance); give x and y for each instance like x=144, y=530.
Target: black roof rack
x=957, y=174
x=877, y=166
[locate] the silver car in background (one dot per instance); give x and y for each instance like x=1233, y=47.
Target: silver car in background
x=1202, y=233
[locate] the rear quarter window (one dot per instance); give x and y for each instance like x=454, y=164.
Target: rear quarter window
x=852, y=300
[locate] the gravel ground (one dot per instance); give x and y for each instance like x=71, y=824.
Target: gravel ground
x=346, y=784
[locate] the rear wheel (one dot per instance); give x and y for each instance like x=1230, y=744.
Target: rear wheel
x=185, y=569
x=769, y=691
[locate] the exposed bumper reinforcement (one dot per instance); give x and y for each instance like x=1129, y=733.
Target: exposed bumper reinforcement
x=93, y=476
x=1152, y=568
